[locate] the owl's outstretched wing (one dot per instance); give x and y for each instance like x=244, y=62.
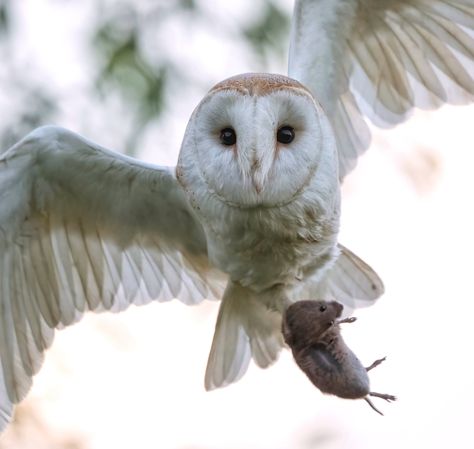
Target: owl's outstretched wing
x=83, y=228
x=381, y=59
x=350, y=281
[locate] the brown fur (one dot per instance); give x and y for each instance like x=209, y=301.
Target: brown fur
x=312, y=331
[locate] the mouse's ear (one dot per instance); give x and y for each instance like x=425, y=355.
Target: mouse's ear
x=350, y=281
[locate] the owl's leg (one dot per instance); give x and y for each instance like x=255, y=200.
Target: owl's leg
x=276, y=298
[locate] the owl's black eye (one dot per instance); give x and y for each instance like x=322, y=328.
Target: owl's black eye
x=285, y=134
x=228, y=136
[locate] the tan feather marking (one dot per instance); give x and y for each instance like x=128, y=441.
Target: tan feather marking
x=260, y=84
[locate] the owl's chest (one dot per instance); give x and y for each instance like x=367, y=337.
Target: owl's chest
x=269, y=248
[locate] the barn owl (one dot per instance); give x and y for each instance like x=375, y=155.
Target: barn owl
x=250, y=214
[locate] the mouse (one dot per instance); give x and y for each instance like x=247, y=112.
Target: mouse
x=311, y=328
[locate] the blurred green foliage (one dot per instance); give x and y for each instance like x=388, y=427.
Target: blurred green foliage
x=125, y=69
x=39, y=109
x=36, y=104
x=269, y=35
x=143, y=80
x=4, y=17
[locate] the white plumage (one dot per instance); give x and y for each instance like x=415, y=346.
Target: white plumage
x=381, y=58
x=83, y=228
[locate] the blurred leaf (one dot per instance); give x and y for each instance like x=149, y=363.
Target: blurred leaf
x=39, y=109
x=154, y=94
x=188, y=4
x=270, y=33
x=127, y=71
x=4, y=17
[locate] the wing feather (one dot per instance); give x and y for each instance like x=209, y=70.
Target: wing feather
x=439, y=54
x=350, y=281
x=83, y=228
x=23, y=333
x=391, y=55
x=413, y=59
x=42, y=333
x=448, y=32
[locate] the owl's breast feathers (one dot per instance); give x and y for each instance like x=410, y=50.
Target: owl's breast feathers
x=260, y=248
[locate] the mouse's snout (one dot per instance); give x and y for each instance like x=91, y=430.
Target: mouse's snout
x=337, y=308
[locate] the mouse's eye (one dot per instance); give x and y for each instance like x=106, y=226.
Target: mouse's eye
x=322, y=308
x=331, y=323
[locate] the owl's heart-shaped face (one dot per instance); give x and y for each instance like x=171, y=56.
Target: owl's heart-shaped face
x=258, y=140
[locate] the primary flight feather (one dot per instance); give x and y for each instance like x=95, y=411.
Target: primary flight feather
x=251, y=213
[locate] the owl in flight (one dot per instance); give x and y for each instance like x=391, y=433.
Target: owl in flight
x=249, y=215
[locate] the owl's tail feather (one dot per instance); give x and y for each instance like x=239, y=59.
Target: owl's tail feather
x=245, y=328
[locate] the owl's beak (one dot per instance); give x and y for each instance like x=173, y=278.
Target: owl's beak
x=257, y=185
x=261, y=162
x=258, y=177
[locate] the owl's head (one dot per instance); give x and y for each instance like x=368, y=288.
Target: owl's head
x=258, y=140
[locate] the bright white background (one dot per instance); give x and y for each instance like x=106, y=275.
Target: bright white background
x=135, y=380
